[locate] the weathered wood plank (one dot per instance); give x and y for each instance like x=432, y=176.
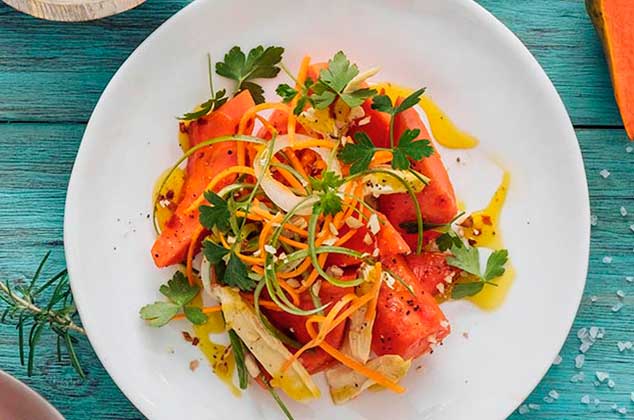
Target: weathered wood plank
x=55, y=72
x=34, y=169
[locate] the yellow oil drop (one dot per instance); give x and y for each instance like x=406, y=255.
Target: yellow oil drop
x=442, y=127
x=482, y=230
x=169, y=196
x=222, y=364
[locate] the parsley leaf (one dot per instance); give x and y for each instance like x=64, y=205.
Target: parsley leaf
x=495, y=264
x=216, y=215
x=333, y=81
x=448, y=240
x=217, y=100
x=214, y=252
x=339, y=72
x=410, y=101
x=383, y=103
x=358, y=154
x=259, y=63
x=357, y=97
x=329, y=201
x=286, y=92
x=466, y=259
x=236, y=274
x=179, y=293
x=462, y=290
x=159, y=313
x=409, y=147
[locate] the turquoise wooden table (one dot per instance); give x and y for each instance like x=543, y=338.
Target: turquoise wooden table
x=52, y=74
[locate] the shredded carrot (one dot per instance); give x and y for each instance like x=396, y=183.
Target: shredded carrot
x=245, y=258
x=295, y=162
x=381, y=157
x=263, y=303
x=288, y=226
x=290, y=178
x=205, y=310
x=301, y=78
x=219, y=177
x=311, y=142
x=248, y=116
x=190, y=254
x=357, y=366
x=292, y=242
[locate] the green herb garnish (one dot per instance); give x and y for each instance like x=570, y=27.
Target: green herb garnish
x=217, y=214
x=326, y=186
x=260, y=63
x=216, y=100
x=468, y=259
x=179, y=293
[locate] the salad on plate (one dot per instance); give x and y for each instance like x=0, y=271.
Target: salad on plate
x=319, y=231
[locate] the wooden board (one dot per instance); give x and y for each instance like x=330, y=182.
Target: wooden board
x=51, y=75
x=72, y=10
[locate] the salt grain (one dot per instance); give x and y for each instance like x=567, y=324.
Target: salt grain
x=553, y=394
x=548, y=400
x=623, y=211
x=602, y=376
x=620, y=294
x=579, y=377
x=523, y=409
x=594, y=331
x=632, y=396
x=557, y=360
x=594, y=219
x=534, y=406
x=582, y=332
x=617, y=307
x=629, y=279
x=611, y=384
x=604, y=173
x=584, y=347
x=607, y=260
x=579, y=361
x=585, y=399
x=621, y=346
x=629, y=149
x=622, y=410
x=593, y=299
x=596, y=401
x=632, y=228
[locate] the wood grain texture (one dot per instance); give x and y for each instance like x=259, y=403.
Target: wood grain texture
x=73, y=63
x=52, y=74
x=72, y=10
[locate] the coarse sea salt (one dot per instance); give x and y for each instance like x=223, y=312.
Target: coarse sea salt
x=623, y=211
x=622, y=410
x=611, y=384
x=585, y=399
x=629, y=149
x=523, y=409
x=604, y=173
x=534, y=406
x=584, y=347
x=579, y=361
x=617, y=307
x=629, y=279
x=594, y=219
x=632, y=228
x=620, y=294
x=579, y=377
x=593, y=332
x=602, y=376
x=549, y=400
x=607, y=260
x=632, y=396
x=557, y=360
x=593, y=299
x=553, y=394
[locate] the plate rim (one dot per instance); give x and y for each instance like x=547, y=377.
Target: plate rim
x=488, y=19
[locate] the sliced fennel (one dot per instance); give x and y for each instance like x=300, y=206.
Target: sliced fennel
x=296, y=382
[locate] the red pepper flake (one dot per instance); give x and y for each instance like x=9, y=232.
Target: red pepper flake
x=487, y=220
x=187, y=336
x=195, y=341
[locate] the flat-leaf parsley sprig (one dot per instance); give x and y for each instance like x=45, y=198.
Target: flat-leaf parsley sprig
x=259, y=63
x=467, y=259
x=335, y=81
x=179, y=293
x=33, y=306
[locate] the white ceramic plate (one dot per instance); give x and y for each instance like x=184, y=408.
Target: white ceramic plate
x=473, y=67
x=19, y=402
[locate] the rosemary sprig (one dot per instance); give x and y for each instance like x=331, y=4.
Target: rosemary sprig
x=22, y=309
